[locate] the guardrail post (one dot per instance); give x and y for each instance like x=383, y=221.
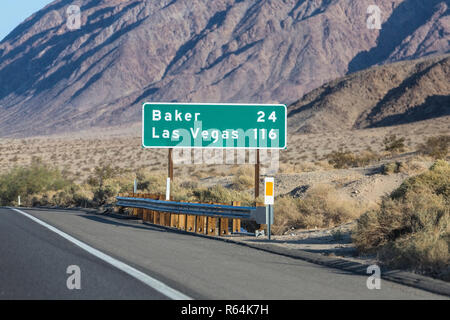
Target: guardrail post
x=190, y=223
x=211, y=226
x=164, y=218
x=144, y=211
x=201, y=224
x=135, y=212
x=182, y=221
x=224, y=227
x=173, y=218
x=236, y=222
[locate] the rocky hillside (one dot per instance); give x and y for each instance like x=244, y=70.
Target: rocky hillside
x=386, y=95
x=53, y=79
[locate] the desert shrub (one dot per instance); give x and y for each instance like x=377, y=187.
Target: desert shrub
x=436, y=147
x=342, y=159
x=189, y=184
x=83, y=197
x=437, y=178
x=242, y=182
x=243, y=179
x=411, y=229
x=27, y=181
x=321, y=207
x=286, y=215
x=219, y=194
x=391, y=167
x=393, y=144
x=100, y=174
x=304, y=166
x=104, y=195
x=410, y=166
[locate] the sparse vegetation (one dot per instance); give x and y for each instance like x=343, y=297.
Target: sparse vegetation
x=391, y=167
x=28, y=181
x=435, y=147
x=393, y=144
x=322, y=207
x=243, y=179
x=342, y=159
x=411, y=229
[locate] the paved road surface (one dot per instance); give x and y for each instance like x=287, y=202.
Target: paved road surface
x=34, y=260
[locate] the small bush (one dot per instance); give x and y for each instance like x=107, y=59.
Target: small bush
x=437, y=178
x=27, y=181
x=321, y=207
x=390, y=168
x=344, y=159
x=393, y=144
x=243, y=179
x=219, y=194
x=435, y=147
x=412, y=227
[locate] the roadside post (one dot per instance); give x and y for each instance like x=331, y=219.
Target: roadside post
x=135, y=186
x=168, y=189
x=18, y=200
x=269, y=196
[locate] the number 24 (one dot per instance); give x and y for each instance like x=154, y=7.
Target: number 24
x=261, y=115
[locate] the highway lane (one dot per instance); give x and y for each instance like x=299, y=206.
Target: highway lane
x=34, y=262
x=198, y=267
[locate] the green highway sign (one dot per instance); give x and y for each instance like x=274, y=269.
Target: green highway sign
x=208, y=125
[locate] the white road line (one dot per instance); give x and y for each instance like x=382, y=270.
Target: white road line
x=151, y=282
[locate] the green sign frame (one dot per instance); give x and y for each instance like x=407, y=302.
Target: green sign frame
x=214, y=125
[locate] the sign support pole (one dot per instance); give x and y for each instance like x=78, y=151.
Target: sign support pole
x=170, y=160
x=269, y=197
x=269, y=215
x=257, y=167
x=170, y=174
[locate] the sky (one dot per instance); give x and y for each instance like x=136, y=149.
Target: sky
x=13, y=12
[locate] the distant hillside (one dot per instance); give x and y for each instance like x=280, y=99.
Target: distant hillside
x=53, y=79
x=386, y=95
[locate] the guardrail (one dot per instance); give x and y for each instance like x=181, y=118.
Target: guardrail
x=210, y=219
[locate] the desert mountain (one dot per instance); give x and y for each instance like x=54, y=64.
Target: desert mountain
x=53, y=78
x=386, y=95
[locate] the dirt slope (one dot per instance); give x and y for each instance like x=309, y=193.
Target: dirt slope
x=387, y=95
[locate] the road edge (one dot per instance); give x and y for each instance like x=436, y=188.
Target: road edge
x=406, y=278
x=398, y=276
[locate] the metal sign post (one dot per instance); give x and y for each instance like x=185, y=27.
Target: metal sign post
x=168, y=189
x=269, y=196
x=257, y=174
x=170, y=164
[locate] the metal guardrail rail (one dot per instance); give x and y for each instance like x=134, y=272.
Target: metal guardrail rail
x=210, y=219
x=198, y=209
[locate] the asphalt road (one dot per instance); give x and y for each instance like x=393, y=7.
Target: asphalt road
x=34, y=261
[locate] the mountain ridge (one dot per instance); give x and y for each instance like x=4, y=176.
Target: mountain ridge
x=126, y=52
x=387, y=95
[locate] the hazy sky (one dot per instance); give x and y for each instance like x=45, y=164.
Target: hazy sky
x=13, y=12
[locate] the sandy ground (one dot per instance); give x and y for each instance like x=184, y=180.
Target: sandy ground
x=330, y=242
